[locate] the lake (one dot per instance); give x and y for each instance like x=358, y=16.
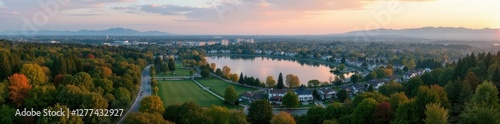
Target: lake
x=261, y=67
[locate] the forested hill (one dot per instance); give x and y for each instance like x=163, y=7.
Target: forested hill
x=55, y=76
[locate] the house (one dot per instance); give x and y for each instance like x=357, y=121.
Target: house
x=409, y=75
x=348, y=88
x=326, y=93
x=358, y=88
x=275, y=95
x=394, y=78
x=304, y=94
x=375, y=83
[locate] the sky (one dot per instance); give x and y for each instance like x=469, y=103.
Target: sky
x=246, y=17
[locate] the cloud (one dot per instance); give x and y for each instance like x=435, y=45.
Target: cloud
x=250, y=10
x=27, y=7
x=4, y=13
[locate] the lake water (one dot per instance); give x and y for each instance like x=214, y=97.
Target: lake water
x=261, y=67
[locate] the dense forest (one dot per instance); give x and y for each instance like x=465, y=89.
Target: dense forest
x=55, y=76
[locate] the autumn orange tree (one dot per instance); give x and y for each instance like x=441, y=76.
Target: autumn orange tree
x=18, y=88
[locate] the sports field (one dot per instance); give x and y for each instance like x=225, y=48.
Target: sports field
x=219, y=86
x=178, y=92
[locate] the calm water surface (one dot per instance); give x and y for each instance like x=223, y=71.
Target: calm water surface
x=261, y=67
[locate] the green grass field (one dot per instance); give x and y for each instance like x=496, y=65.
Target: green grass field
x=218, y=86
x=178, y=92
x=179, y=69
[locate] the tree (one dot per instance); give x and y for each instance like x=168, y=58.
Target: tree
x=233, y=77
x=313, y=83
x=151, y=104
x=163, y=67
x=410, y=64
x=474, y=113
x=292, y=81
x=90, y=56
x=94, y=101
x=341, y=67
x=4, y=91
x=106, y=71
x=435, y=114
x=270, y=82
x=342, y=95
x=71, y=95
x=374, y=95
x=83, y=80
x=34, y=73
x=123, y=98
x=155, y=90
x=238, y=117
x=40, y=96
x=145, y=118
x=334, y=110
x=280, y=82
x=405, y=114
x=411, y=87
x=316, y=95
x=283, y=118
x=473, y=80
x=487, y=94
x=382, y=113
x=218, y=72
x=260, y=112
x=226, y=71
x=370, y=88
x=363, y=113
x=19, y=88
x=171, y=64
x=219, y=114
x=390, y=88
x=355, y=78
x=372, y=75
x=427, y=95
x=5, y=65
x=7, y=114
x=230, y=95
x=314, y=114
x=291, y=100
x=213, y=66
x=241, y=79
x=397, y=99
x=205, y=73
x=380, y=73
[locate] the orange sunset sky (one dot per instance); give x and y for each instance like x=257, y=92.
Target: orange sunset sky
x=247, y=17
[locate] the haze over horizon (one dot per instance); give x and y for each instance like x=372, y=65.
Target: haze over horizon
x=247, y=17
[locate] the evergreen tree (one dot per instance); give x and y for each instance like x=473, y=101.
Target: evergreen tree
x=241, y=78
x=5, y=68
x=280, y=82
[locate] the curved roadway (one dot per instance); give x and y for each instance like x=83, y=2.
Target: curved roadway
x=145, y=90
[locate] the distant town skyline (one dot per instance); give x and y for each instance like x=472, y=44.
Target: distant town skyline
x=246, y=17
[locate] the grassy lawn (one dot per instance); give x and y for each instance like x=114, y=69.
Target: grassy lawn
x=218, y=86
x=178, y=92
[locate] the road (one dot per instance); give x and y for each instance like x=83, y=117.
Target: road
x=145, y=89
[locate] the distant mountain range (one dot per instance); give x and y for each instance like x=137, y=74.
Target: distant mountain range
x=431, y=33
x=110, y=32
